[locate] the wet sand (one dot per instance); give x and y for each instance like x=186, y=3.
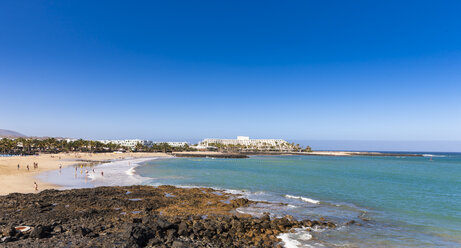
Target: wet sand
x=14, y=180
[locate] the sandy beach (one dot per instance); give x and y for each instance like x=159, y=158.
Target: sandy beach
x=14, y=180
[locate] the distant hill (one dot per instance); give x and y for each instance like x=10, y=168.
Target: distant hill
x=10, y=134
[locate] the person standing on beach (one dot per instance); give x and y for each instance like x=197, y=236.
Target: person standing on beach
x=27, y=167
x=102, y=173
x=18, y=166
x=36, y=186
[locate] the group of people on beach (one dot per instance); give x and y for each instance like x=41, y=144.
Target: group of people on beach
x=81, y=171
x=60, y=169
x=28, y=168
x=35, y=164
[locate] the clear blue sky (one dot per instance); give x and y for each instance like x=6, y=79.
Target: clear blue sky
x=304, y=70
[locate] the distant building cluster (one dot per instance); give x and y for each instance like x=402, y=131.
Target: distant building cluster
x=132, y=143
x=243, y=142
x=175, y=143
x=246, y=142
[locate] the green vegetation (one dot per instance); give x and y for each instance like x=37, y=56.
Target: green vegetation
x=307, y=149
x=28, y=146
x=265, y=147
x=162, y=147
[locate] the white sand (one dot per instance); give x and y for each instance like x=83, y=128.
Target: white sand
x=22, y=181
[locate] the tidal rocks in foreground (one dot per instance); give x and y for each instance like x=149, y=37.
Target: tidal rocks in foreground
x=108, y=217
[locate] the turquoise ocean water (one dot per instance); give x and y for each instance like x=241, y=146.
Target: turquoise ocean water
x=397, y=201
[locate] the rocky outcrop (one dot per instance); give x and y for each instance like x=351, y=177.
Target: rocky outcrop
x=137, y=216
x=209, y=155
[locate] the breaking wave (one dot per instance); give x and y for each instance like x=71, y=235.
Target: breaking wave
x=305, y=199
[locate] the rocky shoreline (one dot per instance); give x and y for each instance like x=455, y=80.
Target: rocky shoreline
x=246, y=154
x=334, y=153
x=138, y=216
x=210, y=155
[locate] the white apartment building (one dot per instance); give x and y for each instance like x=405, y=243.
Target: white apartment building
x=174, y=143
x=246, y=141
x=130, y=143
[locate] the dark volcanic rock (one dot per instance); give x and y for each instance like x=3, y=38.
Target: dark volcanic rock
x=108, y=217
x=81, y=231
x=140, y=235
x=57, y=229
x=39, y=232
x=9, y=231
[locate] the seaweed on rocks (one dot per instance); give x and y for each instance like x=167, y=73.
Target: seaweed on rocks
x=92, y=217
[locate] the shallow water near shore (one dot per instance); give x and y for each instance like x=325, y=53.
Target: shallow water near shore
x=398, y=201
x=84, y=175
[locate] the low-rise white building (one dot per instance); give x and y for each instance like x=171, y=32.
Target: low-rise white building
x=174, y=143
x=245, y=141
x=130, y=143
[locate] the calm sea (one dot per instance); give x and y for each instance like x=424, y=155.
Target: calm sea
x=397, y=201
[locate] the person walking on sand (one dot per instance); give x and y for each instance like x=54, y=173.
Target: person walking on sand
x=36, y=186
x=28, y=168
x=18, y=166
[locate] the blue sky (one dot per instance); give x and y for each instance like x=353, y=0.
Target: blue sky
x=304, y=70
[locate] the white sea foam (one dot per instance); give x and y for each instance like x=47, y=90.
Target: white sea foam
x=296, y=239
x=433, y=155
x=288, y=242
x=316, y=229
x=240, y=211
x=235, y=191
x=187, y=186
x=118, y=173
x=305, y=199
x=131, y=172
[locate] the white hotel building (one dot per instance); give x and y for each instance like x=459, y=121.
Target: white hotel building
x=246, y=141
x=175, y=143
x=130, y=143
